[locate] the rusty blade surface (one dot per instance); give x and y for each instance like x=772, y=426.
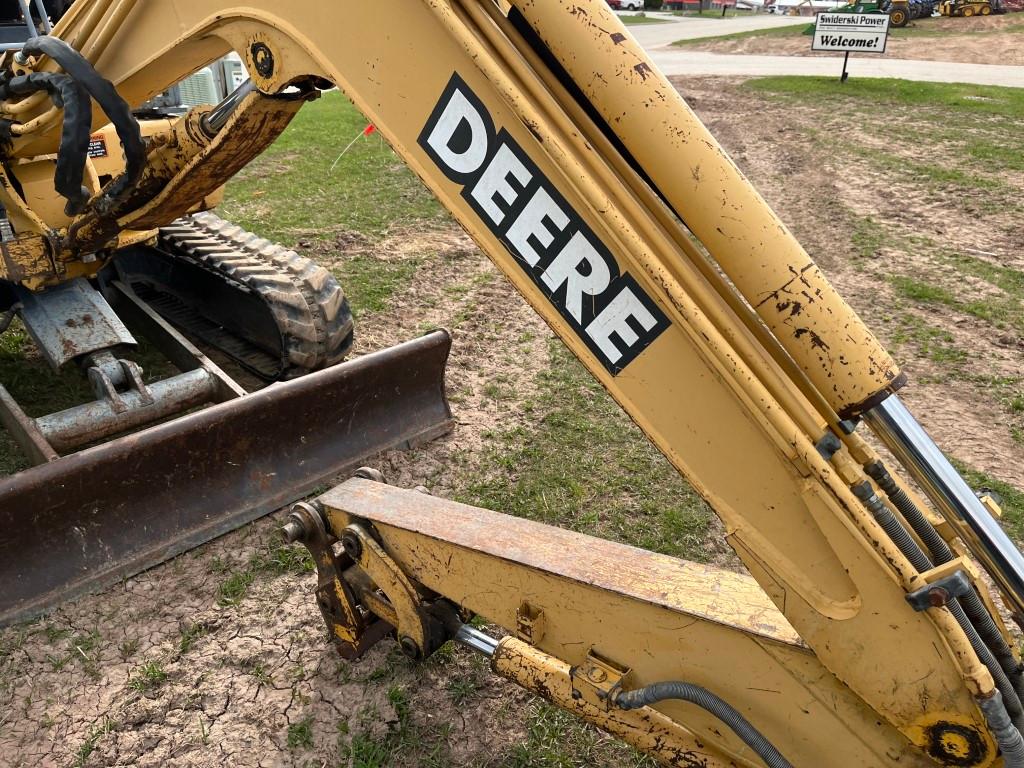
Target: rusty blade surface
x=90, y=519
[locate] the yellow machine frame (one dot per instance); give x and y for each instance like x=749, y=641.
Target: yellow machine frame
x=548, y=133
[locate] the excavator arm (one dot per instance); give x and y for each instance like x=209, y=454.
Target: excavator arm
x=865, y=634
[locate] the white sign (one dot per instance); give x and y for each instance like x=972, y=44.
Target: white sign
x=864, y=32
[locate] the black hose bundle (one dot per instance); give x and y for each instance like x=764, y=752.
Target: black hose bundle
x=709, y=702
x=65, y=92
x=919, y=560
x=941, y=553
x=116, y=108
x=1011, y=745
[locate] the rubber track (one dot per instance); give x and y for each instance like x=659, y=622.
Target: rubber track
x=308, y=305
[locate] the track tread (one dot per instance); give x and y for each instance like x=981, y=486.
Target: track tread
x=307, y=302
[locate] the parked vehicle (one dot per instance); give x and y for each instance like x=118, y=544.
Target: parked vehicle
x=970, y=7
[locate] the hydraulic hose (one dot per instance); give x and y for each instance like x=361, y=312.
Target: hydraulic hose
x=941, y=553
x=919, y=560
x=709, y=702
x=115, y=107
x=74, y=141
x=1008, y=738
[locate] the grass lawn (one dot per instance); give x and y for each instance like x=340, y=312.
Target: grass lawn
x=299, y=186
x=796, y=30
x=919, y=28
x=873, y=92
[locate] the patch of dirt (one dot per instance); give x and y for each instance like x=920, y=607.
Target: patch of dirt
x=822, y=202
x=496, y=339
x=977, y=40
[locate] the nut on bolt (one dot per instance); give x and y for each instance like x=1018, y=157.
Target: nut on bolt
x=293, y=530
x=352, y=545
x=302, y=522
x=262, y=58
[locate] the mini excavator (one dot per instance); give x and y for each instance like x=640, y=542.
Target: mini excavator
x=875, y=624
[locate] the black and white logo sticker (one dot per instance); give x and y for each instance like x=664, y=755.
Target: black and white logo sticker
x=550, y=241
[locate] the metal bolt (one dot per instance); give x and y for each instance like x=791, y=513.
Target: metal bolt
x=938, y=596
x=409, y=647
x=370, y=473
x=597, y=675
x=262, y=58
x=352, y=545
x=293, y=530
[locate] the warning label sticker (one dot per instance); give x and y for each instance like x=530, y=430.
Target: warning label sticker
x=97, y=146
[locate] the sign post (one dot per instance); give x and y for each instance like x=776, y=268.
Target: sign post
x=846, y=32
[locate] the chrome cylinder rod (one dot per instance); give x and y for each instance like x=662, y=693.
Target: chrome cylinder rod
x=949, y=492
x=218, y=117
x=477, y=640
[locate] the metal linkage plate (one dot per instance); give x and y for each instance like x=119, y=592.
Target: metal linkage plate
x=71, y=320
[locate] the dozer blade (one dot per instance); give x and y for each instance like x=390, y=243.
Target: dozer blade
x=93, y=518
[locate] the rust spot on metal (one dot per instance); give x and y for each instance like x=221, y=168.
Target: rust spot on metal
x=794, y=308
x=816, y=341
x=643, y=69
x=532, y=128
x=797, y=275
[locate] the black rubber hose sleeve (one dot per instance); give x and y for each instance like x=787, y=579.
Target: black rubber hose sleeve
x=709, y=702
x=74, y=141
x=110, y=101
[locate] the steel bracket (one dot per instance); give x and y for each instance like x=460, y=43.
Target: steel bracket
x=597, y=680
x=71, y=320
x=530, y=623
x=351, y=628
x=106, y=374
x=394, y=597
x=941, y=584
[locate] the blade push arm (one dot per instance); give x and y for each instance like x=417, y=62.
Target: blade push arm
x=580, y=612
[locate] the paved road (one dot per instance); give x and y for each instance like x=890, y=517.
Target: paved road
x=687, y=27
x=658, y=39
x=682, y=62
